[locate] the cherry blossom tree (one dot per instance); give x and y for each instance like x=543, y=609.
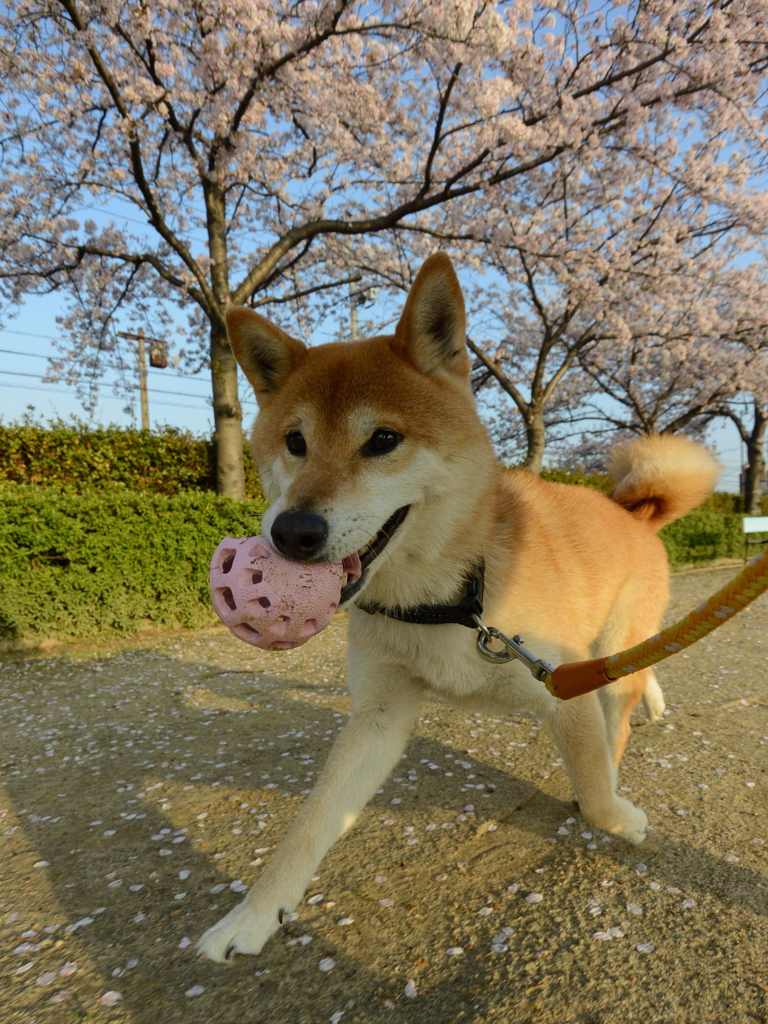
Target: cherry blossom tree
x=631, y=295
x=270, y=150
x=750, y=418
x=705, y=358
x=614, y=258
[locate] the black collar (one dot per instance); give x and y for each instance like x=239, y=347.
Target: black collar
x=462, y=613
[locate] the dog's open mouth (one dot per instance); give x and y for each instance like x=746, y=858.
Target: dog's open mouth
x=356, y=564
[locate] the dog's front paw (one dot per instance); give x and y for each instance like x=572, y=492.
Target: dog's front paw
x=633, y=823
x=243, y=930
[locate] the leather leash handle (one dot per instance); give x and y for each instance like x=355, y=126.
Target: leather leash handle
x=577, y=677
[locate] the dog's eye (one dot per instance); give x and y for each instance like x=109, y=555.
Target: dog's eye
x=382, y=441
x=295, y=443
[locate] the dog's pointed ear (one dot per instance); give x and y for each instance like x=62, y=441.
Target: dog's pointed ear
x=431, y=331
x=266, y=354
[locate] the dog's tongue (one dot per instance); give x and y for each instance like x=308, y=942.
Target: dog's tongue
x=353, y=566
x=271, y=601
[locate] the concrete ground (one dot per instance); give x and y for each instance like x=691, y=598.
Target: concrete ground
x=145, y=784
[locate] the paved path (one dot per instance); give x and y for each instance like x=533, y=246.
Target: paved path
x=144, y=783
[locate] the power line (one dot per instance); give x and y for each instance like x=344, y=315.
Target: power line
x=109, y=398
x=27, y=355
x=201, y=237
x=155, y=391
x=116, y=398
x=39, y=355
x=26, y=334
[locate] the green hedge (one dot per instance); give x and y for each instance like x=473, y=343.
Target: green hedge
x=597, y=481
x=703, y=536
x=87, y=563
x=65, y=453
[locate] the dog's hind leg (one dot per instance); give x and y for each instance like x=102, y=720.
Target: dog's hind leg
x=362, y=756
x=635, y=617
x=653, y=697
x=619, y=699
x=579, y=730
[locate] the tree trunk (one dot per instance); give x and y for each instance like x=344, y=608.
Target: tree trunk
x=754, y=471
x=535, y=440
x=227, y=411
x=227, y=417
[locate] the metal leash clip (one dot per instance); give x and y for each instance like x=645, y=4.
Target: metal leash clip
x=512, y=648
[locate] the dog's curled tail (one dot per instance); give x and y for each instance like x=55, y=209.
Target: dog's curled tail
x=661, y=477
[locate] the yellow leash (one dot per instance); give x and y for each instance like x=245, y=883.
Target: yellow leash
x=575, y=678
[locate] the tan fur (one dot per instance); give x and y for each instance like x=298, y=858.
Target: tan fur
x=576, y=573
x=661, y=477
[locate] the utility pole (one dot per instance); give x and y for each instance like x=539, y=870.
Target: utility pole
x=158, y=357
x=354, y=298
x=142, y=359
x=362, y=297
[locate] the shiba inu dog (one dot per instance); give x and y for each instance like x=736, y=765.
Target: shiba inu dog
x=373, y=452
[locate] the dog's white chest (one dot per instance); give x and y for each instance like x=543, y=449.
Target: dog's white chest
x=445, y=657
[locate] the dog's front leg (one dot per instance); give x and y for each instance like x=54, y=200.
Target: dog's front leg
x=363, y=755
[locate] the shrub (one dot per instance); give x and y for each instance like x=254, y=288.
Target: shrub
x=61, y=453
x=597, y=481
x=86, y=563
x=89, y=562
x=702, y=536
x=720, y=501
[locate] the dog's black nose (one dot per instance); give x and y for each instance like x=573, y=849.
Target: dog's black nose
x=299, y=535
